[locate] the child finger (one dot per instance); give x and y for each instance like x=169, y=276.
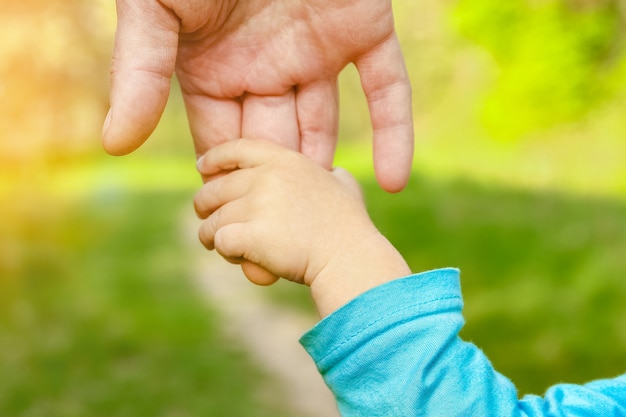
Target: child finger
x=219, y=191
x=257, y=274
x=238, y=154
x=233, y=212
x=233, y=240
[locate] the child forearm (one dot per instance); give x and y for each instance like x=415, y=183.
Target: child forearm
x=372, y=261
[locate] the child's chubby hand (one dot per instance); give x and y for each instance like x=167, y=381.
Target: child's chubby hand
x=273, y=209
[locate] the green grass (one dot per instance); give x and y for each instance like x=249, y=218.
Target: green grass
x=98, y=316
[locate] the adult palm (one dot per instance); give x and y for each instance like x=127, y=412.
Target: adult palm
x=261, y=68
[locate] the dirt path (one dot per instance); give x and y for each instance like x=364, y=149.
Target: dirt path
x=270, y=333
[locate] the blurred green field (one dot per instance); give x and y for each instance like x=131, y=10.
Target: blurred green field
x=98, y=314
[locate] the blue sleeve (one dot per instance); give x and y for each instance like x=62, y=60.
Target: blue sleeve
x=395, y=351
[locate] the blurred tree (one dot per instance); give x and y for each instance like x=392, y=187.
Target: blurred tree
x=53, y=76
x=557, y=59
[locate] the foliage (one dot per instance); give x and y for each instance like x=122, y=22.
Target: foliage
x=557, y=58
x=53, y=76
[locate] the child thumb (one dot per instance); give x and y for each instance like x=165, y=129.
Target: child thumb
x=349, y=182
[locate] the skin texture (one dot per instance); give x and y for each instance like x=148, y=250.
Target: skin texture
x=261, y=68
x=273, y=209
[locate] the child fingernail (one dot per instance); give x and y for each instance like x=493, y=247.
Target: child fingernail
x=199, y=163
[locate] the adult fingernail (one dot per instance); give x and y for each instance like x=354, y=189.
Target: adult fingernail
x=106, y=124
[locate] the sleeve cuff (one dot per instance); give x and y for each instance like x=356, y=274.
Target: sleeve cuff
x=379, y=308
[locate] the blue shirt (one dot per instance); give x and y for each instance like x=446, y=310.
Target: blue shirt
x=395, y=351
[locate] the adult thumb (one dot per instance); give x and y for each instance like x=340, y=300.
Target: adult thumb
x=144, y=56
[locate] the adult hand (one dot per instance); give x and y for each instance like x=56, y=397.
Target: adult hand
x=261, y=68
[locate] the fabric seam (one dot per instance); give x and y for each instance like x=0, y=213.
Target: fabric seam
x=389, y=314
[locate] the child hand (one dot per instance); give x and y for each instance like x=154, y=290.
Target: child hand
x=276, y=209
